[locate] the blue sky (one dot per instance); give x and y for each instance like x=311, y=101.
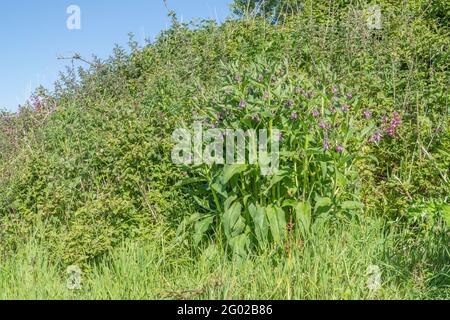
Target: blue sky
x=34, y=32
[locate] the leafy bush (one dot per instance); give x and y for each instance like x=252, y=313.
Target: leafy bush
x=324, y=133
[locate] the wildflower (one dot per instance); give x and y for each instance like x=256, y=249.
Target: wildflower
x=339, y=149
x=294, y=116
x=376, y=137
x=242, y=104
x=326, y=145
x=266, y=95
x=367, y=114
x=322, y=124
x=332, y=109
x=308, y=95
x=289, y=103
x=390, y=126
x=349, y=96
x=315, y=113
x=335, y=90
x=299, y=90
x=238, y=78
x=345, y=108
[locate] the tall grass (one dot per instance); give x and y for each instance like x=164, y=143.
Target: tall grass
x=332, y=264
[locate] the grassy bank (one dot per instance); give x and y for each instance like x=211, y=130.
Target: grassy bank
x=330, y=265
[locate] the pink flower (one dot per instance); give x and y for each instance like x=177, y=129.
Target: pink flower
x=367, y=114
x=390, y=126
x=339, y=149
x=345, y=108
x=242, y=104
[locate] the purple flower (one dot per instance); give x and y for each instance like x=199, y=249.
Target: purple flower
x=294, y=116
x=390, y=125
x=367, y=114
x=242, y=104
x=308, y=95
x=332, y=109
x=345, y=108
x=339, y=149
x=326, y=145
x=349, y=96
x=322, y=124
x=289, y=103
x=315, y=113
x=376, y=137
x=266, y=95
x=335, y=90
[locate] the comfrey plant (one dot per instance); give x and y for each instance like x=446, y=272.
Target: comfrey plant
x=321, y=131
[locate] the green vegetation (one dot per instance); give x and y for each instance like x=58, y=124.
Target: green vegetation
x=86, y=175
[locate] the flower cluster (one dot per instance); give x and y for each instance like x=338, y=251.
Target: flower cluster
x=391, y=124
x=389, y=127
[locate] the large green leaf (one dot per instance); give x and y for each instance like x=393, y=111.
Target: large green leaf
x=303, y=217
x=260, y=222
x=277, y=223
x=201, y=228
x=231, y=170
x=279, y=176
x=233, y=222
x=240, y=245
x=323, y=205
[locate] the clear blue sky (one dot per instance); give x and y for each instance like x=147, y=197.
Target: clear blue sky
x=33, y=33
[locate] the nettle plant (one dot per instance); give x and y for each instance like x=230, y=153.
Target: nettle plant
x=322, y=134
